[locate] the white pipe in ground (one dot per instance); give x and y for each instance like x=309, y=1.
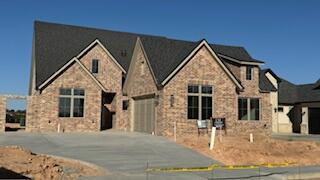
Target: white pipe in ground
x=251, y=137
x=213, y=134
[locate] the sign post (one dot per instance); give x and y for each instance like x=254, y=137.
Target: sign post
x=219, y=123
x=213, y=134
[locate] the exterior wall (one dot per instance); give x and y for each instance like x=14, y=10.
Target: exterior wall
x=201, y=69
x=305, y=121
x=251, y=87
x=275, y=114
x=32, y=113
x=274, y=102
x=110, y=76
x=305, y=115
x=3, y=107
x=284, y=123
x=140, y=82
x=43, y=108
x=252, y=90
x=234, y=67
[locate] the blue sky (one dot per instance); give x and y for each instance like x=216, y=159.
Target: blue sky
x=284, y=34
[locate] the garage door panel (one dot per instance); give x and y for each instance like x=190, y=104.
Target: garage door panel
x=144, y=111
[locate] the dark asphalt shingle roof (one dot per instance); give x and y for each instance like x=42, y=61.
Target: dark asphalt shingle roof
x=56, y=44
x=264, y=83
x=317, y=85
x=287, y=92
x=290, y=93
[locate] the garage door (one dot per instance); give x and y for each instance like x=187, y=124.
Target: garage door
x=144, y=115
x=314, y=120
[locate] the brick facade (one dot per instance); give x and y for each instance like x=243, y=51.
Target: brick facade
x=251, y=90
x=2, y=113
x=141, y=81
x=202, y=69
x=110, y=76
x=42, y=112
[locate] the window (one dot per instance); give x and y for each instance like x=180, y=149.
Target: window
x=193, y=107
x=95, y=66
x=125, y=104
x=249, y=71
x=243, y=111
x=280, y=109
x=249, y=108
x=71, y=102
x=142, y=67
x=199, y=102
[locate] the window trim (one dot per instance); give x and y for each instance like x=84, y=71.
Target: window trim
x=72, y=97
x=251, y=73
x=200, y=95
x=248, y=109
x=98, y=64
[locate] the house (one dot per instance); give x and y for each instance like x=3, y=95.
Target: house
x=299, y=107
x=86, y=79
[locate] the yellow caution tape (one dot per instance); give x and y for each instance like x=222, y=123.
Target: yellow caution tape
x=216, y=166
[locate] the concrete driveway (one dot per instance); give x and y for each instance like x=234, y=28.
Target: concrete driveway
x=124, y=155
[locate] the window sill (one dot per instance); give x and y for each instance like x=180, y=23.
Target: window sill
x=249, y=120
x=71, y=117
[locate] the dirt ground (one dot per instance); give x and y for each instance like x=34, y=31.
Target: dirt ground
x=28, y=164
x=239, y=151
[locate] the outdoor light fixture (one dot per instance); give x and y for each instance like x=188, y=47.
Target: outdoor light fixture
x=156, y=99
x=171, y=100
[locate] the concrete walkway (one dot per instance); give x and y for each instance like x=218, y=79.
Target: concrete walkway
x=126, y=155
x=297, y=137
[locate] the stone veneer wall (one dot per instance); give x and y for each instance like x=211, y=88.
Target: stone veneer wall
x=2, y=113
x=42, y=113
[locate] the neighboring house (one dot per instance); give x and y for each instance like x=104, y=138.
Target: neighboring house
x=85, y=79
x=299, y=107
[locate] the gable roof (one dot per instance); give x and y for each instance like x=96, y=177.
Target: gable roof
x=68, y=64
x=56, y=44
x=264, y=83
x=203, y=43
x=290, y=93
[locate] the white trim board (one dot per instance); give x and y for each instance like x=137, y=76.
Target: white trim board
x=186, y=60
x=241, y=62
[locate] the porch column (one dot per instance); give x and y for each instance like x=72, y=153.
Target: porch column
x=305, y=121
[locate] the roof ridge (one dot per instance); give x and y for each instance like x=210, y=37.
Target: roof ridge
x=133, y=33
x=97, y=28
